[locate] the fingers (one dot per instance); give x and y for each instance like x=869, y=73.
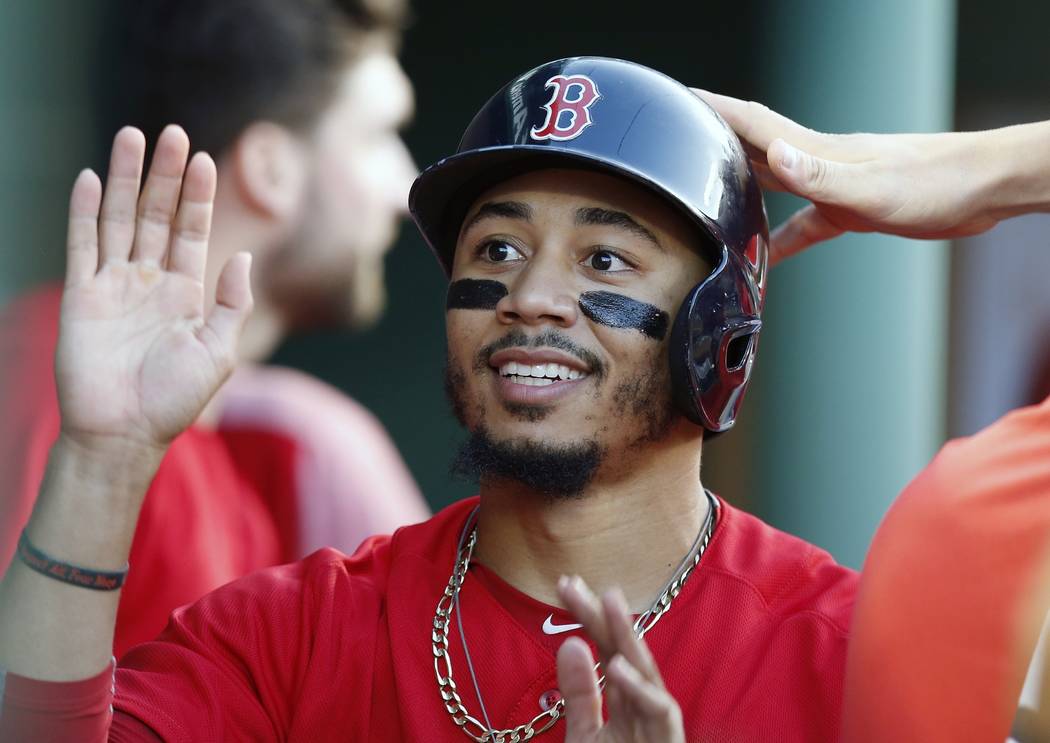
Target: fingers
x=766, y=180
x=758, y=126
x=174, y=194
x=806, y=227
x=581, y=601
x=117, y=223
x=578, y=684
x=643, y=701
x=160, y=195
x=608, y=622
x=634, y=692
x=628, y=644
x=82, y=238
x=189, y=247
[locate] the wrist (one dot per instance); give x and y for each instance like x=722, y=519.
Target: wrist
x=90, y=500
x=119, y=456
x=1017, y=162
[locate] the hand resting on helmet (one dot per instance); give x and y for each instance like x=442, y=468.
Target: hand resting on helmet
x=928, y=186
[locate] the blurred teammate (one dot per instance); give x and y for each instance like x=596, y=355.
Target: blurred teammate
x=580, y=395
x=300, y=103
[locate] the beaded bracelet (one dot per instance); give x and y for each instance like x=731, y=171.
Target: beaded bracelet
x=97, y=580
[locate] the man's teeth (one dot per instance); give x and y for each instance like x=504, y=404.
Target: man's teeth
x=538, y=375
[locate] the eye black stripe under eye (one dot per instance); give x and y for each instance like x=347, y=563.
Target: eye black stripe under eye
x=474, y=294
x=618, y=311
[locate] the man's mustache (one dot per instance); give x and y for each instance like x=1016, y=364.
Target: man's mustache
x=549, y=338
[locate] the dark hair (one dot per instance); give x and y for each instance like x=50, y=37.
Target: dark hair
x=215, y=66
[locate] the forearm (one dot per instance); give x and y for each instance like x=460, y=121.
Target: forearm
x=1018, y=161
x=85, y=515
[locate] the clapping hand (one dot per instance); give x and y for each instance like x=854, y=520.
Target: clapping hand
x=640, y=708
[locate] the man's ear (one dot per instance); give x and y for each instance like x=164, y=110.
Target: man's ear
x=269, y=168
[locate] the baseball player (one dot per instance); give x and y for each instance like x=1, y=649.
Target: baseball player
x=603, y=314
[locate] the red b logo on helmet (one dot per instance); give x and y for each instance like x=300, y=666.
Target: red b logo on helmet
x=568, y=110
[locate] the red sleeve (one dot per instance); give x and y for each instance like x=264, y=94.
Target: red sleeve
x=58, y=712
x=948, y=613
x=229, y=667
x=245, y=662
x=232, y=665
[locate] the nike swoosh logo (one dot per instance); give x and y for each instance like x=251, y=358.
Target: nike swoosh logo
x=550, y=628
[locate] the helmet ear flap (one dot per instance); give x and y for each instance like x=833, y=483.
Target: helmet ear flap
x=713, y=344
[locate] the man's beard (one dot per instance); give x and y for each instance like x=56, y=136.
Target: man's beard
x=557, y=471
x=316, y=284
x=312, y=300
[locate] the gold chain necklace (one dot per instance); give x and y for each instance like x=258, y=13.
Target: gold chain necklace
x=450, y=697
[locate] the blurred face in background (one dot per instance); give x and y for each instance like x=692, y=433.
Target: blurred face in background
x=357, y=174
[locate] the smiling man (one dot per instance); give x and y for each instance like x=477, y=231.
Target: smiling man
x=567, y=347
x=603, y=311
x=606, y=246
x=605, y=241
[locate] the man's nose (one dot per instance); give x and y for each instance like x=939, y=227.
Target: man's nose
x=539, y=294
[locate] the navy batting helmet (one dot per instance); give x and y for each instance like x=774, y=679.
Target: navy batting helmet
x=628, y=120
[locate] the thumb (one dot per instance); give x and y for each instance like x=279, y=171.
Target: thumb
x=233, y=304
x=807, y=175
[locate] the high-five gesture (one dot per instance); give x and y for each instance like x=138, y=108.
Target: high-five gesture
x=141, y=350
x=137, y=357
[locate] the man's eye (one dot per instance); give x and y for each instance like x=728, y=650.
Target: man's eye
x=499, y=251
x=606, y=260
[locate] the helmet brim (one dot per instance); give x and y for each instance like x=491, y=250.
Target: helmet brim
x=444, y=192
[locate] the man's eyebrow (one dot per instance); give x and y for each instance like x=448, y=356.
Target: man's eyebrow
x=505, y=209
x=597, y=215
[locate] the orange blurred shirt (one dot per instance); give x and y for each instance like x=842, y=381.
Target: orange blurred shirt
x=951, y=598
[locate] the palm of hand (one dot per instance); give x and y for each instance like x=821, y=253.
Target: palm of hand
x=137, y=360
x=129, y=361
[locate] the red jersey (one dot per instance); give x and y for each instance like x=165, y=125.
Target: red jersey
x=273, y=481
x=336, y=648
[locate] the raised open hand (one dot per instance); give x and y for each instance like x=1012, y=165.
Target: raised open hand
x=932, y=186
x=640, y=708
x=137, y=358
